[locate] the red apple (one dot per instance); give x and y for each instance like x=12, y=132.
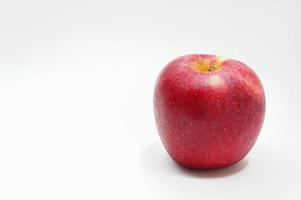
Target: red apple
x=208, y=110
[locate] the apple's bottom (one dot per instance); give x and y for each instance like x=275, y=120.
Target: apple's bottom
x=208, y=166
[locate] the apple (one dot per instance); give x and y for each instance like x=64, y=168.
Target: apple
x=208, y=110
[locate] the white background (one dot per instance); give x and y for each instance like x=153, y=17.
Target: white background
x=76, y=86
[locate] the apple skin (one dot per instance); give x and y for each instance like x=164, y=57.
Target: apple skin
x=208, y=119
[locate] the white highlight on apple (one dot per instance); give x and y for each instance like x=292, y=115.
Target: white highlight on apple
x=216, y=81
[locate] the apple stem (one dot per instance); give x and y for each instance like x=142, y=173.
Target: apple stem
x=211, y=68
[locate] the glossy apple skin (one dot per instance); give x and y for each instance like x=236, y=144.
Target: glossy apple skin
x=208, y=120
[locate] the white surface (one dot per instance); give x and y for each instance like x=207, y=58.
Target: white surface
x=76, y=83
